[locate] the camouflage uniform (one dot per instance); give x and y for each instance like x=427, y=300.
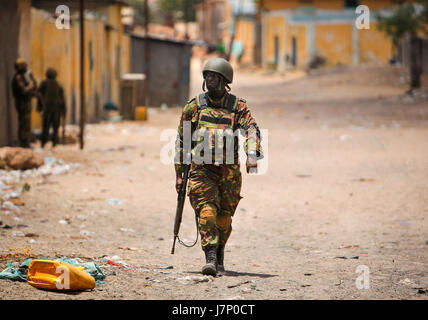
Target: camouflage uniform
x=52, y=95
x=23, y=91
x=214, y=190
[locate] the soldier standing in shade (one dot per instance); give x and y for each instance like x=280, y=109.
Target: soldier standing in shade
x=215, y=182
x=52, y=104
x=24, y=88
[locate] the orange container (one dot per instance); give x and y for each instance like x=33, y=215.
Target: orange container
x=140, y=113
x=58, y=275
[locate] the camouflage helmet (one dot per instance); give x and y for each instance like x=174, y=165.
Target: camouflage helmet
x=51, y=73
x=20, y=64
x=221, y=66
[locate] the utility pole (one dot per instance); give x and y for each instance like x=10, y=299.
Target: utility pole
x=82, y=72
x=186, y=18
x=235, y=24
x=146, y=53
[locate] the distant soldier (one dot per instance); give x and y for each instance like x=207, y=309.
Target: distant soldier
x=24, y=88
x=215, y=182
x=52, y=104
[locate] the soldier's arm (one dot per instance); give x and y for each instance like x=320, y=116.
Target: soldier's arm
x=248, y=124
x=62, y=98
x=25, y=90
x=188, y=113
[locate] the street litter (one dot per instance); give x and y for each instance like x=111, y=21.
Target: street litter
x=194, y=279
x=42, y=276
x=113, y=202
x=238, y=284
x=342, y=257
x=342, y=246
x=167, y=267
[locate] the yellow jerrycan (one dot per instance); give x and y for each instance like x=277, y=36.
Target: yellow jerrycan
x=58, y=275
x=140, y=113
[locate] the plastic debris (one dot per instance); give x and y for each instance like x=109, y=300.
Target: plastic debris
x=194, y=279
x=114, y=202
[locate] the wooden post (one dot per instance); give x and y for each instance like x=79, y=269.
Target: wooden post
x=82, y=75
x=146, y=53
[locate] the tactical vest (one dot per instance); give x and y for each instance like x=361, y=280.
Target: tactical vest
x=52, y=97
x=216, y=127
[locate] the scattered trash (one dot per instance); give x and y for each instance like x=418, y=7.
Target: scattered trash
x=307, y=274
x=423, y=290
x=367, y=180
x=26, y=187
x=167, y=267
x=62, y=221
x=160, y=239
x=342, y=257
x=342, y=246
x=16, y=272
x=305, y=285
x=161, y=271
x=164, y=107
x=282, y=289
x=86, y=232
x=238, y=284
x=404, y=223
x=194, y=279
x=246, y=290
x=113, y=202
x=31, y=235
x=406, y=281
x=338, y=284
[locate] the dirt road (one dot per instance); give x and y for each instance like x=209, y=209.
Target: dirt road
x=346, y=186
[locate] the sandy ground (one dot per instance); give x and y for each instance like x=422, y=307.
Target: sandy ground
x=347, y=167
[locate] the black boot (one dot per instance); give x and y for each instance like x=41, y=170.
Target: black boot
x=220, y=257
x=210, y=268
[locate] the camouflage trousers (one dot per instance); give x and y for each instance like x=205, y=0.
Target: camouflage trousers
x=24, y=127
x=214, y=193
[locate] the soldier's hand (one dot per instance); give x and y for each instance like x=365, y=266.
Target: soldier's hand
x=178, y=183
x=251, y=164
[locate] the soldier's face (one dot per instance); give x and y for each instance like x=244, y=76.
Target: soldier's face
x=212, y=80
x=22, y=67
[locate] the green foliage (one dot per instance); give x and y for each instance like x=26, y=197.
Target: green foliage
x=402, y=21
x=177, y=8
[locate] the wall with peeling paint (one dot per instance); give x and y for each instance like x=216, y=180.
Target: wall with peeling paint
x=320, y=28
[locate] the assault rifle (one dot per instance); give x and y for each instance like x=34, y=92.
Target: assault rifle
x=180, y=205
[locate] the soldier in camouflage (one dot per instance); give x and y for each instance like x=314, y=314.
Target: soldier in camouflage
x=214, y=118
x=52, y=103
x=24, y=88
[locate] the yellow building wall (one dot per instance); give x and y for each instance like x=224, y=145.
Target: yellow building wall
x=374, y=45
x=334, y=42
x=60, y=49
x=274, y=26
x=245, y=34
x=50, y=47
x=299, y=32
x=293, y=4
x=321, y=4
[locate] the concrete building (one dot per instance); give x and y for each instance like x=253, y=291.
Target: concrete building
x=295, y=32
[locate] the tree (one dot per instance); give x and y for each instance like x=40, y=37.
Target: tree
x=408, y=19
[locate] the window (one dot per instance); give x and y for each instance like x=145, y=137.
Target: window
x=352, y=3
